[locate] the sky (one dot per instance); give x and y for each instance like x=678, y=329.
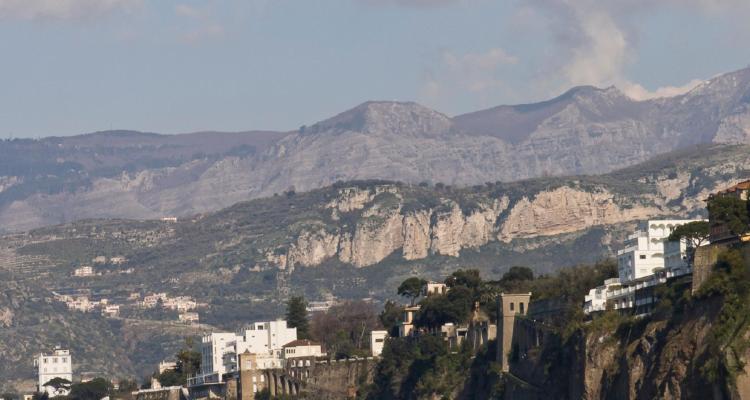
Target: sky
x=172, y=66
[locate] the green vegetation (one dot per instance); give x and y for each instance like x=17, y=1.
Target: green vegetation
x=730, y=211
x=727, y=340
x=188, y=363
x=412, y=288
x=296, y=316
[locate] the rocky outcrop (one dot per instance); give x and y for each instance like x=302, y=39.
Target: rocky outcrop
x=381, y=230
x=565, y=210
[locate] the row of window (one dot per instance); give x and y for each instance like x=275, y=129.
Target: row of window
x=54, y=360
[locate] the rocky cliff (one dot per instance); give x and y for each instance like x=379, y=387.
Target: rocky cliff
x=135, y=175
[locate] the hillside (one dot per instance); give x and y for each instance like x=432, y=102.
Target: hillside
x=587, y=130
x=351, y=240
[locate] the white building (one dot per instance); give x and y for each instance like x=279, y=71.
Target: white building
x=51, y=366
x=84, y=271
x=111, y=310
x=643, y=254
x=266, y=338
x=377, y=342
x=406, y=326
x=219, y=350
x=647, y=260
x=214, y=347
x=189, y=317
x=596, y=300
x=435, y=288
x=302, y=348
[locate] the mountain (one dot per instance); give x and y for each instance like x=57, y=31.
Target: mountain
x=352, y=240
x=587, y=130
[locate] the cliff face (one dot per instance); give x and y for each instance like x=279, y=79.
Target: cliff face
x=367, y=225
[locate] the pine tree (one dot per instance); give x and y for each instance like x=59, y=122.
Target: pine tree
x=296, y=316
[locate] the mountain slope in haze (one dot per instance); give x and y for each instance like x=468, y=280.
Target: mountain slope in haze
x=135, y=175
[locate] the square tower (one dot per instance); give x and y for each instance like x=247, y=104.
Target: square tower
x=509, y=305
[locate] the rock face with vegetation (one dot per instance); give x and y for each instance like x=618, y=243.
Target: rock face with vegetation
x=137, y=175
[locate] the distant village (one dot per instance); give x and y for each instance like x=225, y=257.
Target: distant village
x=270, y=356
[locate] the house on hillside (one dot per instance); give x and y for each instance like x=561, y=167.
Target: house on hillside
x=54, y=372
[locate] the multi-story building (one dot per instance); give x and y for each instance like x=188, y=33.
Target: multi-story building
x=266, y=337
x=648, y=259
x=406, y=326
x=596, y=300
x=219, y=351
x=643, y=254
x=50, y=366
x=214, y=348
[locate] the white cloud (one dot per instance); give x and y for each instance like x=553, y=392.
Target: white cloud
x=638, y=92
x=597, y=40
x=62, y=9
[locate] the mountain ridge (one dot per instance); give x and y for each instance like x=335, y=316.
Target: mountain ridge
x=586, y=130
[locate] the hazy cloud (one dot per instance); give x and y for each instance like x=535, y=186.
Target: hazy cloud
x=62, y=9
x=597, y=39
x=638, y=92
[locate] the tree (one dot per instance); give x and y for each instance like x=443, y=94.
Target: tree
x=412, y=288
x=391, y=316
x=58, y=383
x=343, y=328
x=93, y=390
x=437, y=310
x=518, y=273
x=694, y=233
x=730, y=211
x=188, y=363
x=296, y=316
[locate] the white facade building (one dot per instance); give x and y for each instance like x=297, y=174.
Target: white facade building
x=266, y=338
x=644, y=250
x=596, y=300
x=435, y=288
x=302, y=348
x=219, y=350
x=214, y=347
x=84, y=271
x=377, y=342
x=647, y=260
x=50, y=366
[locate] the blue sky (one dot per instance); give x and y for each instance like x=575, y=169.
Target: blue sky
x=171, y=66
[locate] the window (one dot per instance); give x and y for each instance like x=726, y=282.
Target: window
x=520, y=306
x=54, y=360
x=512, y=306
x=378, y=340
x=45, y=360
x=64, y=359
x=642, y=256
